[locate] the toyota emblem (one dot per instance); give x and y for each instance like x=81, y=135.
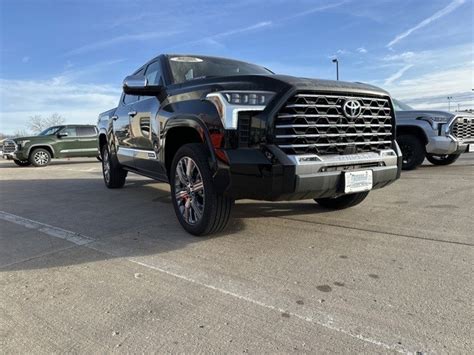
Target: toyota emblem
x=352, y=109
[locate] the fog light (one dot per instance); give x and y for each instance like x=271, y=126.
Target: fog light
x=269, y=155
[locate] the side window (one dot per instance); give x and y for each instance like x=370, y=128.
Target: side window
x=129, y=99
x=154, y=74
x=86, y=132
x=396, y=106
x=71, y=131
x=145, y=126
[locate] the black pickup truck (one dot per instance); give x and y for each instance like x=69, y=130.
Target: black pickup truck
x=218, y=130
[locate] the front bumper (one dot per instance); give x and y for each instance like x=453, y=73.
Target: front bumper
x=9, y=156
x=443, y=145
x=269, y=174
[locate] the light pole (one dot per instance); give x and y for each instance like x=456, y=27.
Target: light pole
x=449, y=103
x=337, y=67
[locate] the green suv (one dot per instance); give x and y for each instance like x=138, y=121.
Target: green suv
x=63, y=141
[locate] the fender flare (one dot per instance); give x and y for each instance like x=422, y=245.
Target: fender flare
x=190, y=121
x=39, y=145
x=413, y=127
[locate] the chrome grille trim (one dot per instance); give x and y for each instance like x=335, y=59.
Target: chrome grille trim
x=329, y=116
x=323, y=106
x=345, y=97
x=314, y=123
x=328, y=144
x=9, y=147
x=328, y=135
x=463, y=128
x=331, y=125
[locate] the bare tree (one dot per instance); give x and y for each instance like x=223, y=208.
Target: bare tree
x=20, y=133
x=38, y=123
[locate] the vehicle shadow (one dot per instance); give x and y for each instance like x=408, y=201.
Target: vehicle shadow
x=138, y=220
x=9, y=163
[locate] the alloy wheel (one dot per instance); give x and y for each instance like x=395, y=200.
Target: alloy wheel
x=41, y=158
x=189, y=190
x=407, y=152
x=106, y=165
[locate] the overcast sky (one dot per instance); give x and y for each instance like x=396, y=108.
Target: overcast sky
x=70, y=57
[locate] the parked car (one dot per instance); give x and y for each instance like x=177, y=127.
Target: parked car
x=219, y=130
x=439, y=136
x=63, y=141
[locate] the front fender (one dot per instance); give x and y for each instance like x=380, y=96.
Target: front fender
x=194, y=122
x=39, y=145
x=420, y=128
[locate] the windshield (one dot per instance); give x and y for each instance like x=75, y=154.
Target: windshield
x=185, y=68
x=400, y=106
x=51, y=130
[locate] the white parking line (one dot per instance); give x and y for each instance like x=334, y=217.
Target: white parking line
x=52, y=231
x=82, y=240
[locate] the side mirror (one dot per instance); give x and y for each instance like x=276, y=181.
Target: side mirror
x=62, y=134
x=138, y=85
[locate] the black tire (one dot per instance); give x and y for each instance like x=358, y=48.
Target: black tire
x=341, y=202
x=413, y=151
x=114, y=175
x=214, y=211
x=40, y=157
x=442, y=159
x=22, y=162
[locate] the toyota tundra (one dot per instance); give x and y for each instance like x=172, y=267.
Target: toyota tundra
x=218, y=130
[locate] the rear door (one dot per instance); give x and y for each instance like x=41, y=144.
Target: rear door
x=87, y=141
x=145, y=130
x=122, y=128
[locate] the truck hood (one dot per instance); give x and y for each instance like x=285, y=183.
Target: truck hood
x=329, y=85
x=31, y=138
x=414, y=114
x=275, y=83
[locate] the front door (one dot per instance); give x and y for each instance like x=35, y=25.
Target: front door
x=87, y=141
x=67, y=144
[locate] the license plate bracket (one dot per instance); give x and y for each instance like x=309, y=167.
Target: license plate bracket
x=358, y=181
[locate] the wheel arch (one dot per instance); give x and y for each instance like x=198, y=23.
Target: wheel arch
x=413, y=130
x=48, y=147
x=182, y=130
x=102, y=139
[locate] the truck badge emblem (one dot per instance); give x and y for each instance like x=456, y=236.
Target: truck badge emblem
x=352, y=109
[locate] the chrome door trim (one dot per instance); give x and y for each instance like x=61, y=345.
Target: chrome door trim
x=137, y=153
x=77, y=150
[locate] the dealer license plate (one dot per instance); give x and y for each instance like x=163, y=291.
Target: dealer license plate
x=358, y=181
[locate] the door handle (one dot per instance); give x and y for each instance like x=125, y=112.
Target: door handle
x=114, y=117
x=132, y=113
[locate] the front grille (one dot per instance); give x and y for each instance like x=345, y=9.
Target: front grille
x=9, y=147
x=314, y=123
x=463, y=128
x=243, y=128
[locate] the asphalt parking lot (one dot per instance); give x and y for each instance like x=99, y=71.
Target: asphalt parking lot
x=86, y=269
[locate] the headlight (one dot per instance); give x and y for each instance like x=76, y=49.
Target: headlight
x=22, y=142
x=439, y=119
x=435, y=121
x=230, y=103
x=248, y=98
